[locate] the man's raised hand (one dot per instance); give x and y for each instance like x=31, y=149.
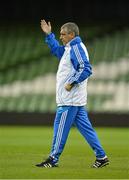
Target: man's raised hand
x=46, y=27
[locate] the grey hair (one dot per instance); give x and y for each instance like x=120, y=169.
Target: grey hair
x=71, y=27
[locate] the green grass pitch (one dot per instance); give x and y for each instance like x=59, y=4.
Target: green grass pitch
x=21, y=147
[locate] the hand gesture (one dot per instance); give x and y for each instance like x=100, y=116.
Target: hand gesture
x=46, y=27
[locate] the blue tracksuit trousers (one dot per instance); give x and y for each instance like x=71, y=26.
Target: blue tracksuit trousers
x=66, y=116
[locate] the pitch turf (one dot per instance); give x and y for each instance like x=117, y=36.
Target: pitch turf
x=22, y=147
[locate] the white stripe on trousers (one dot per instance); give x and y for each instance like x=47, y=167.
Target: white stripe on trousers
x=60, y=132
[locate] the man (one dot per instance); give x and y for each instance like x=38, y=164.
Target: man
x=71, y=95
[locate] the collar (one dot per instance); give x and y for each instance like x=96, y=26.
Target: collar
x=74, y=41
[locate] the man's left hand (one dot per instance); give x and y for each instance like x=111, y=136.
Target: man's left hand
x=68, y=87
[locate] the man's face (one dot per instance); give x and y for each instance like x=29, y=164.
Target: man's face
x=65, y=36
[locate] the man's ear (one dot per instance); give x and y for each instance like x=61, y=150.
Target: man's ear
x=72, y=34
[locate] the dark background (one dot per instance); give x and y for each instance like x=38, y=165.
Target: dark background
x=88, y=11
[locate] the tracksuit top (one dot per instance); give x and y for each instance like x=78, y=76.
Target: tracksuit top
x=74, y=68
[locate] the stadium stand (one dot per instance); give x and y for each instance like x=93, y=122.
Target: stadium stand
x=27, y=70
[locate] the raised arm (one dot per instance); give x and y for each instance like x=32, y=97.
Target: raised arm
x=53, y=44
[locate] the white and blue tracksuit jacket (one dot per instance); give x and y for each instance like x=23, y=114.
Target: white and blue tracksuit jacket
x=74, y=67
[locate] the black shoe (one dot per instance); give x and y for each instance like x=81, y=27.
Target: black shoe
x=100, y=163
x=48, y=163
